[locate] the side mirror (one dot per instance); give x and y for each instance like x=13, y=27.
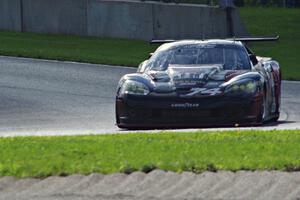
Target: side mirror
x=253, y=59
x=150, y=54
x=268, y=67
x=142, y=66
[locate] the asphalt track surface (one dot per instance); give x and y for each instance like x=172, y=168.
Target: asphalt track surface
x=41, y=97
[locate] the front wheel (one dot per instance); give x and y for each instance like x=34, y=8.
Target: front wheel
x=117, y=114
x=275, y=119
x=263, y=111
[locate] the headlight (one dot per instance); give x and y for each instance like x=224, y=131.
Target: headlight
x=243, y=86
x=134, y=87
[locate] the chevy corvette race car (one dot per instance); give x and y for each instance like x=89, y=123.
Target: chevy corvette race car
x=200, y=83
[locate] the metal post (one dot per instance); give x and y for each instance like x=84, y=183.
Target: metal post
x=210, y=2
x=229, y=22
x=228, y=6
x=22, y=16
x=284, y=3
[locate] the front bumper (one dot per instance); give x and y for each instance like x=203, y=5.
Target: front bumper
x=159, y=111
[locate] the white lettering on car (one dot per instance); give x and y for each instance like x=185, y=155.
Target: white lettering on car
x=205, y=91
x=184, y=105
x=212, y=91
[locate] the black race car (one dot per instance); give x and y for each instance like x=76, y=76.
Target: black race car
x=200, y=83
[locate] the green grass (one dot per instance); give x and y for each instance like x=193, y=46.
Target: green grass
x=277, y=21
x=75, y=48
x=259, y=21
x=197, y=152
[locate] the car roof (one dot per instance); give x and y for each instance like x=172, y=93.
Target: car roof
x=179, y=43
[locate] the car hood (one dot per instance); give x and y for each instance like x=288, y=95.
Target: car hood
x=191, y=76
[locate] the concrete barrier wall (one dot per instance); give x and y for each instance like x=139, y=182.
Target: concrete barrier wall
x=188, y=21
x=10, y=15
x=117, y=19
x=55, y=16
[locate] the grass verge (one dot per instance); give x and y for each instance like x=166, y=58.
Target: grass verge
x=75, y=48
x=196, y=152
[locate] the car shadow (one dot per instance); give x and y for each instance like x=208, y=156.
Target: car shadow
x=279, y=122
x=267, y=124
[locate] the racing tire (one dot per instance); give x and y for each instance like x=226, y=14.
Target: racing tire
x=275, y=119
x=263, y=111
x=117, y=115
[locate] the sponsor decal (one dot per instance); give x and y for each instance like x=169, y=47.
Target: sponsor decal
x=184, y=105
x=204, y=46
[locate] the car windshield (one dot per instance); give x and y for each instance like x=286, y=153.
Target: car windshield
x=231, y=57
